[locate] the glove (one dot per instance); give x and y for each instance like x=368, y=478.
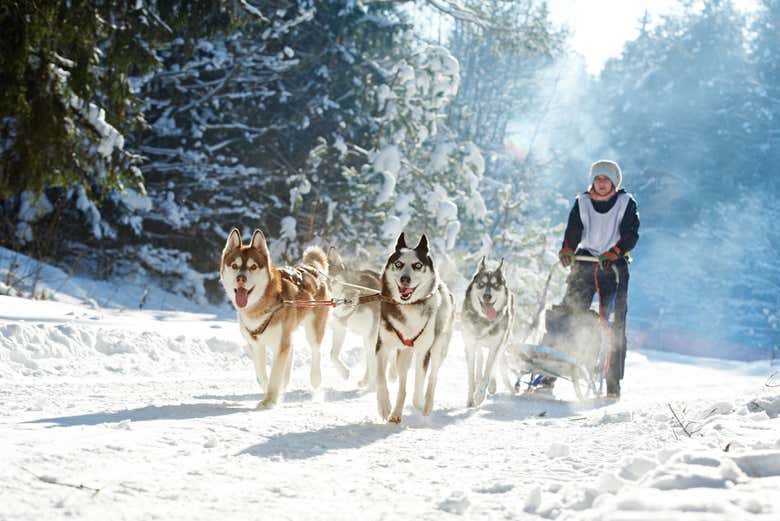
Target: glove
x=608, y=257
x=566, y=256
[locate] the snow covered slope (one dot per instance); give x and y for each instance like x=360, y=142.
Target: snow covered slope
x=152, y=415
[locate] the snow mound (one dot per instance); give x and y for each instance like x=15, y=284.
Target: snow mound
x=73, y=350
x=457, y=503
x=558, y=450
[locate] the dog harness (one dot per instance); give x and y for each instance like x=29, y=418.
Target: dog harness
x=254, y=333
x=408, y=342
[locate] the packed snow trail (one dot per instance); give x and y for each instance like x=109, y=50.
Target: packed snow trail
x=153, y=415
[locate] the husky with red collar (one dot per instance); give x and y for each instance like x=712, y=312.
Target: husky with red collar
x=416, y=321
x=487, y=317
x=265, y=297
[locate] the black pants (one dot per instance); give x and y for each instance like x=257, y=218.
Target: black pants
x=586, y=280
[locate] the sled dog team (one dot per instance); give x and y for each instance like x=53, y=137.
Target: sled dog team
x=405, y=315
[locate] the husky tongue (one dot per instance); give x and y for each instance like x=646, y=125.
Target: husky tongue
x=242, y=296
x=406, y=292
x=490, y=311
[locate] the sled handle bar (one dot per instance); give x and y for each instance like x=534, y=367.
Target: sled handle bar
x=589, y=258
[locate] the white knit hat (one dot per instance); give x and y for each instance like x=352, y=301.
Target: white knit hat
x=608, y=169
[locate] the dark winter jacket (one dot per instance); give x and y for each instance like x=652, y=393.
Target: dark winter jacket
x=629, y=226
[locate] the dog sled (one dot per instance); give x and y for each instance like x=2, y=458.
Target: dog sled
x=543, y=361
x=575, y=347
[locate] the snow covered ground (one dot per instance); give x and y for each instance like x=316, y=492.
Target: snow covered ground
x=110, y=413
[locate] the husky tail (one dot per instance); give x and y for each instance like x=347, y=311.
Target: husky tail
x=316, y=257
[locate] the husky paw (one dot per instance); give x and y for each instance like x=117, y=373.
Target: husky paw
x=428, y=408
x=268, y=403
x=394, y=418
x=479, y=397
x=470, y=402
x=368, y=385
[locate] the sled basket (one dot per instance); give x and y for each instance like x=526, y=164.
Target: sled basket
x=570, y=349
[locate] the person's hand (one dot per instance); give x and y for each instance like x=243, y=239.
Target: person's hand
x=608, y=257
x=566, y=256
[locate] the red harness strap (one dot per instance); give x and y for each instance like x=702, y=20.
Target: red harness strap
x=309, y=303
x=408, y=342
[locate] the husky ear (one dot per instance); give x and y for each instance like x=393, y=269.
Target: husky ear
x=482, y=264
x=500, y=268
x=335, y=262
x=401, y=242
x=258, y=242
x=233, y=240
x=422, y=246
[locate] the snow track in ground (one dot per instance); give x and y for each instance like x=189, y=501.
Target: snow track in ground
x=157, y=411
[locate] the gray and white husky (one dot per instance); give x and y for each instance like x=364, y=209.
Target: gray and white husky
x=416, y=322
x=487, y=317
x=361, y=319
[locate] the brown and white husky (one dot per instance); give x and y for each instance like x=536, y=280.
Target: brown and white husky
x=262, y=294
x=416, y=321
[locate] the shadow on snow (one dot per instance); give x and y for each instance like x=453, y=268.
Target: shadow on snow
x=193, y=410
x=294, y=396
x=514, y=408
x=310, y=444
x=185, y=411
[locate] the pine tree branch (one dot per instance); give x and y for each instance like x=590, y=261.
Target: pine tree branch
x=253, y=11
x=211, y=93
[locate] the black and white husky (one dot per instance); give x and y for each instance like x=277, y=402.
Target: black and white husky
x=361, y=319
x=416, y=321
x=488, y=314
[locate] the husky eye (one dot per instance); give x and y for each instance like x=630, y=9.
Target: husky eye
x=253, y=267
x=417, y=266
x=398, y=265
x=481, y=284
x=234, y=266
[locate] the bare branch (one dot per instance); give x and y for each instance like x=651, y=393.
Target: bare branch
x=457, y=11
x=55, y=481
x=683, y=426
x=449, y=7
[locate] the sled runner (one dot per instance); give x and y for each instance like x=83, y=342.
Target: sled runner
x=575, y=347
x=543, y=361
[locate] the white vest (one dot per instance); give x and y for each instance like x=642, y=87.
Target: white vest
x=601, y=231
